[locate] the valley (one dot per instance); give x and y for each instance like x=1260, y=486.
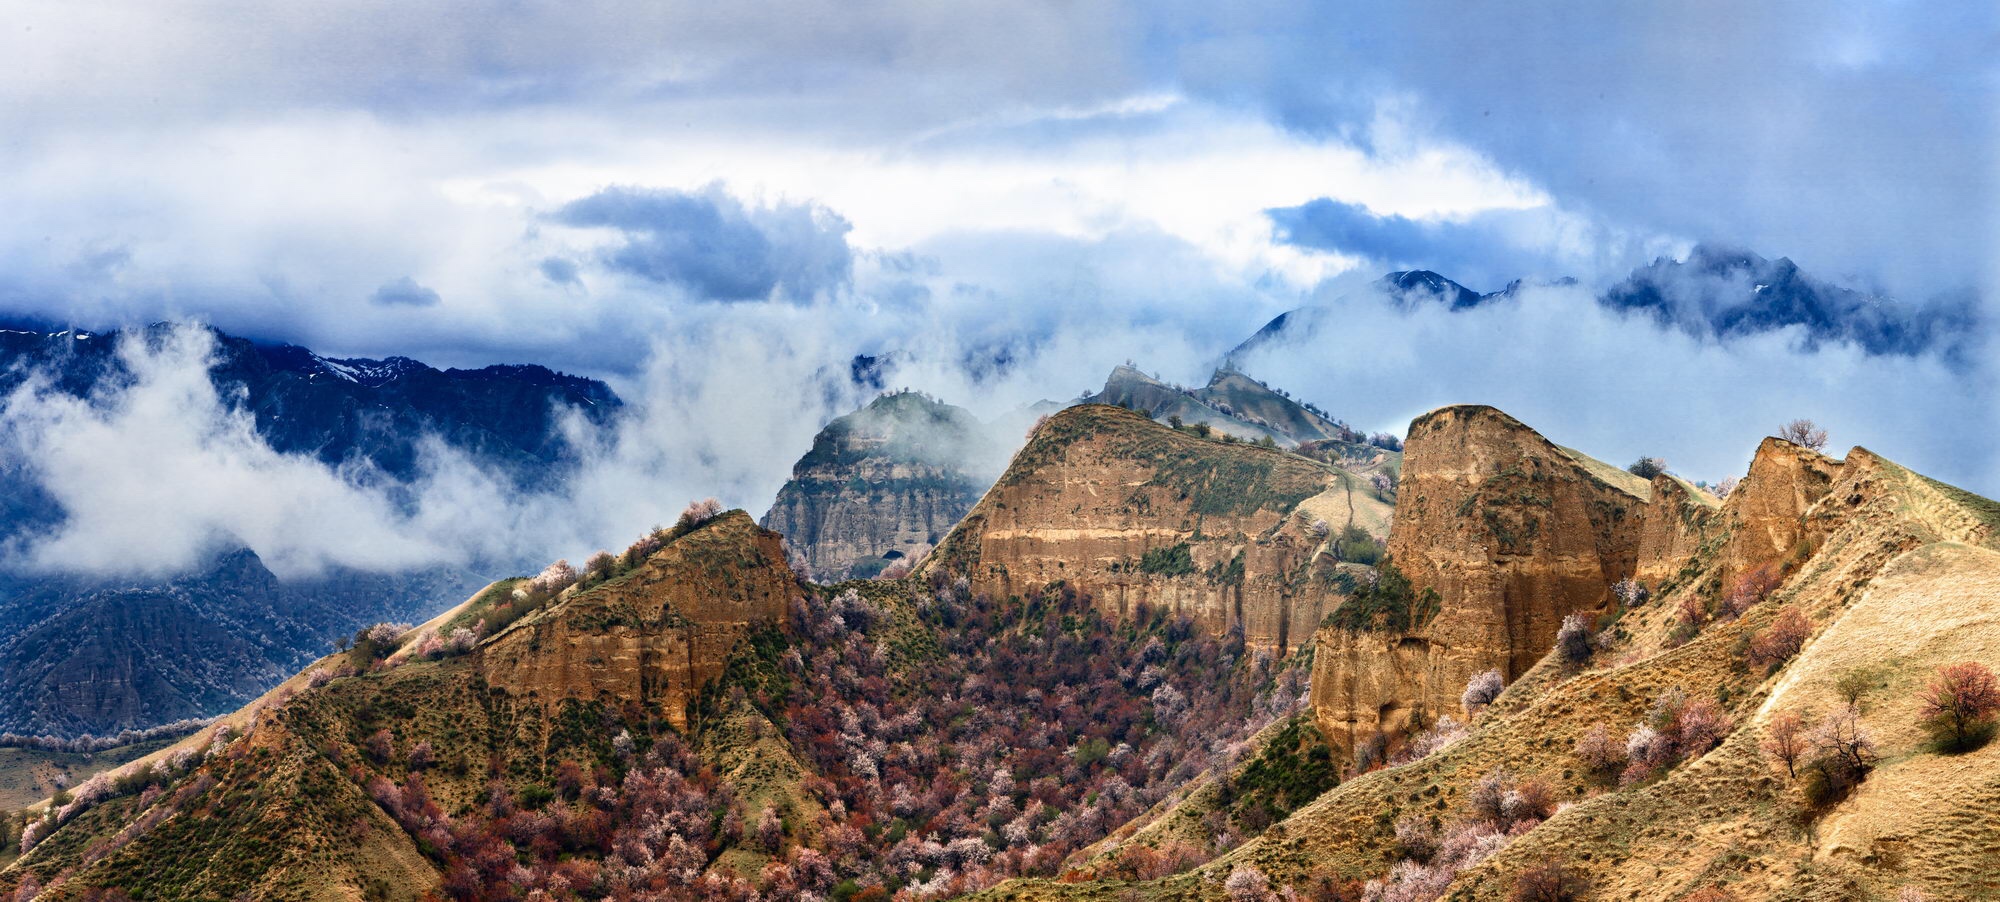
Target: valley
x=1151, y=661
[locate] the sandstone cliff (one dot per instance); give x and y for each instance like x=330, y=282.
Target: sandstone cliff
x=1135, y=513
x=1514, y=533
x=654, y=636
x=883, y=484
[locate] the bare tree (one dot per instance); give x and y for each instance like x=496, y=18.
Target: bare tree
x=1785, y=740
x=1804, y=433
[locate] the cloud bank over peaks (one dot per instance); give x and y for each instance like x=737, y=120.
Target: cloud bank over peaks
x=1620, y=385
x=713, y=244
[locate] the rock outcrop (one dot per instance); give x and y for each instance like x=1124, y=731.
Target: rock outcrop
x=1231, y=402
x=1767, y=511
x=883, y=484
x=1513, y=533
x=1134, y=513
x=654, y=636
x=1679, y=520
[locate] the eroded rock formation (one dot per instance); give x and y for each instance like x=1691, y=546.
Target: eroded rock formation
x=882, y=485
x=655, y=635
x=1514, y=533
x=1135, y=513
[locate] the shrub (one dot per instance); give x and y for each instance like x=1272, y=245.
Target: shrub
x=1173, y=560
x=1598, y=752
x=698, y=513
x=1416, y=837
x=380, y=746
x=1750, y=588
x=1573, y=638
x=1703, y=725
x=1647, y=467
x=1958, y=706
x=1356, y=546
x=1630, y=592
x=601, y=566
x=1481, y=690
x=1693, y=611
x=1549, y=881
x=1727, y=485
x=1247, y=884
x=1843, y=753
x=1778, y=642
x=1389, y=604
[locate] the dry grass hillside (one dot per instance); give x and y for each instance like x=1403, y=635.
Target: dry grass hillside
x=1894, y=575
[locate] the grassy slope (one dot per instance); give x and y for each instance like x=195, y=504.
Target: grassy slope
x=1727, y=817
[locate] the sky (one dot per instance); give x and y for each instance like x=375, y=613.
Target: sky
x=715, y=206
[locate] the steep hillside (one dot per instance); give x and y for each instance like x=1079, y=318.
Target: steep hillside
x=868, y=739
x=1135, y=514
x=652, y=637
x=1643, y=765
x=104, y=655
x=883, y=484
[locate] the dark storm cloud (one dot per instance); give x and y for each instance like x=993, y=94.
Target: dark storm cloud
x=404, y=292
x=715, y=246
x=1856, y=138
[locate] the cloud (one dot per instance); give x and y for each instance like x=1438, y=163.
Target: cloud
x=155, y=474
x=712, y=244
x=1619, y=385
x=404, y=292
x=1855, y=137
x=1709, y=290
x=560, y=271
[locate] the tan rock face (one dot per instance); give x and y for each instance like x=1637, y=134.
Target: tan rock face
x=1135, y=513
x=1766, y=512
x=1680, y=518
x=653, y=636
x=1513, y=533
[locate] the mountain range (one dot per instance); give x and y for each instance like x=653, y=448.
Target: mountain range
x=1715, y=292
x=1181, y=643
x=83, y=653
x=1148, y=664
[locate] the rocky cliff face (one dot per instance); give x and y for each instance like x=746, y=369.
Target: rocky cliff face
x=883, y=484
x=1135, y=513
x=1513, y=533
x=1678, y=522
x=653, y=636
x=1231, y=402
x=1766, y=513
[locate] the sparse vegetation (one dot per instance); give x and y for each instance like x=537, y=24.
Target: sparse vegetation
x=1480, y=691
x=1389, y=604
x=1959, y=706
x=1172, y=560
x=1777, y=643
x=1647, y=467
x=1804, y=433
